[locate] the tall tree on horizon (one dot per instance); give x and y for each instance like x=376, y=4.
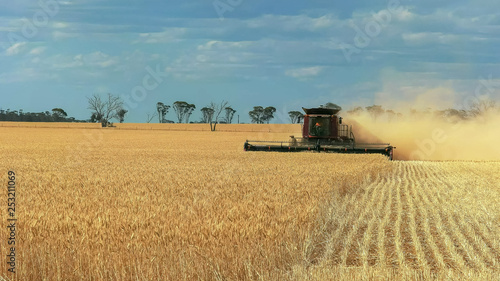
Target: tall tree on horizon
x=189, y=110
x=57, y=113
x=295, y=116
x=207, y=114
x=257, y=114
x=121, y=115
x=104, y=110
x=162, y=110
x=260, y=114
x=217, y=110
x=229, y=114
x=180, y=109
x=269, y=113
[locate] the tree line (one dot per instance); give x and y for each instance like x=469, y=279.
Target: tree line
x=183, y=111
x=211, y=113
x=105, y=109
x=475, y=109
x=55, y=115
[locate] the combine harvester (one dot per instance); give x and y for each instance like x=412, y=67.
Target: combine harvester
x=322, y=131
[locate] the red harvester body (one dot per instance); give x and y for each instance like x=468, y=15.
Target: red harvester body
x=322, y=131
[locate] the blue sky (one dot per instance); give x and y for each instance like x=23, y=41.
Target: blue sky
x=285, y=54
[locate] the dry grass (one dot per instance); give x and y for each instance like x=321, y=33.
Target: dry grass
x=169, y=205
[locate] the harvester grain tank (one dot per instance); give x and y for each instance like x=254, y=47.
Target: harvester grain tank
x=322, y=131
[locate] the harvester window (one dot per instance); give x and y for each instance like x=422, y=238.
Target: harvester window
x=319, y=126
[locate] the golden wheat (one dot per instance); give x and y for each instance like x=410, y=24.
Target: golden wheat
x=126, y=204
x=153, y=204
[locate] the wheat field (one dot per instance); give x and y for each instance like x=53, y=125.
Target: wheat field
x=108, y=204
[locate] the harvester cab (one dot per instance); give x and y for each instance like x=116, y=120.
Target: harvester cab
x=322, y=131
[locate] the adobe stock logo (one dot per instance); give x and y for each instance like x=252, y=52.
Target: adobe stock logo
x=428, y=146
x=223, y=6
x=150, y=82
x=439, y=136
x=372, y=29
x=30, y=28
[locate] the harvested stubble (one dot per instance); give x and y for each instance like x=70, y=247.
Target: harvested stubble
x=160, y=205
x=428, y=220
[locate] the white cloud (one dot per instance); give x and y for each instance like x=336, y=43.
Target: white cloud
x=323, y=22
x=26, y=74
x=166, y=36
x=209, y=64
x=202, y=58
x=37, y=50
x=100, y=59
x=60, y=25
x=207, y=46
x=15, y=49
x=405, y=15
x=304, y=72
x=423, y=38
x=220, y=45
x=96, y=59
x=59, y=35
x=293, y=23
x=62, y=62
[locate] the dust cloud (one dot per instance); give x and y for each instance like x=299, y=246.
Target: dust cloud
x=426, y=136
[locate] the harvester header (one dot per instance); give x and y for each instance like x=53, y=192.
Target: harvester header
x=322, y=131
